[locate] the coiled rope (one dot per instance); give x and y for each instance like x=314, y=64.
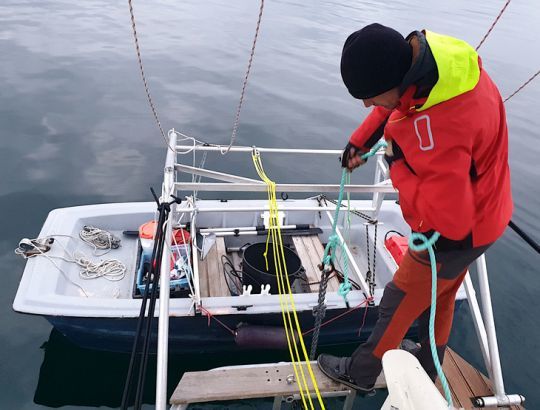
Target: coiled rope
x=99, y=238
x=286, y=299
x=111, y=269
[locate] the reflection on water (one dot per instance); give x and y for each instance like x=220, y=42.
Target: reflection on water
x=73, y=376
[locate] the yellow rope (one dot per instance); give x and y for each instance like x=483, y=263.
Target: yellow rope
x=286, y=299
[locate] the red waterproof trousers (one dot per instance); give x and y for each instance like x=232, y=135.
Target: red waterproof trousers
x=408, y=298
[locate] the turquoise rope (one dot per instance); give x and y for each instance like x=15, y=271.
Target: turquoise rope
x=333, y=240
x=428, y=244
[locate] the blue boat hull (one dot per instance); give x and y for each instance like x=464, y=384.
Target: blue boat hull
x=198, y=334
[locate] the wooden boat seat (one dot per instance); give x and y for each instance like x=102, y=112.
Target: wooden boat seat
x=211, y=280
x=311, y=251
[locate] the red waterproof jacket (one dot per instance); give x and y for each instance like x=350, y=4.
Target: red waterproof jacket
x=454, y=177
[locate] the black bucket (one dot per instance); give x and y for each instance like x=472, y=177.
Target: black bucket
x=254, y=267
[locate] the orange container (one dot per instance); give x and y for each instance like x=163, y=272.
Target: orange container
x=148, y=230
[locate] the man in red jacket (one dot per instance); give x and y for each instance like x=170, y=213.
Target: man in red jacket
x=445, y=123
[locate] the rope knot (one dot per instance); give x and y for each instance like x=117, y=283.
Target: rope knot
x=333, y=241
x=425, y=243
x=344, y=288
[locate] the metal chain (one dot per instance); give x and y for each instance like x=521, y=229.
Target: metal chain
x=149, y=97
x=493, y=24
x=320, y=312
x=352, y=211
x=372, y=289
x=520, y=88
x=370, y=274
x=237, y=117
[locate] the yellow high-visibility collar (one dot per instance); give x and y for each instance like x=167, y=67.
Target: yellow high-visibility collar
x=457, y=65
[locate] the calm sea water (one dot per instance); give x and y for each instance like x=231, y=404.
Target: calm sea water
x=76, y=129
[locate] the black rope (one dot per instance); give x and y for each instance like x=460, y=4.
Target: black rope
x=392, y=231
x=148, y=291
x=153, y=297
x=231, y=275
x=532, y=243
x=320, y=312
x=352, y=211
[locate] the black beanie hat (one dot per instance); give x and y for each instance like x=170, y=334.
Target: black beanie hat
x=374, y=60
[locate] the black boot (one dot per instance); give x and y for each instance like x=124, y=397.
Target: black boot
x=336, y=369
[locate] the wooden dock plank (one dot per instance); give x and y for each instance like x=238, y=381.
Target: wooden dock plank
x=465, y=381
x=217, y=284
x=211, y=270
x=241, y=382
x=460, y=391
x=317, y=252
x=221, y=250
x=270, y=380
x=203, y=277
x=310, y=250
x=312, y=274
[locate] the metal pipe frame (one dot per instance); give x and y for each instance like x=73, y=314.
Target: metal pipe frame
x=350, y=395
x=250, y=229
x=265, y=208
x=163, y=325
x=197, y=296
x=218, y=148
x=256, y=187
x=363, y=284
x=221, y=176
x=478, y=321
x=496, y=372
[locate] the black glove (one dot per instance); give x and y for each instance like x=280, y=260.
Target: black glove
x=349, y=152
x=393, y=153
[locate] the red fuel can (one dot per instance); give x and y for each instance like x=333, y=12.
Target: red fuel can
x=397, y=246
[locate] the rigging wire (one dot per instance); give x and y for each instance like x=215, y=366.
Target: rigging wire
x=493, y=25
x=146, y=88
x=237, y=117
x=486, y=36
x=523, y=86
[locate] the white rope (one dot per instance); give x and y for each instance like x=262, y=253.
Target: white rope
x=99, y=239
x=39, y=250
x=110, y=269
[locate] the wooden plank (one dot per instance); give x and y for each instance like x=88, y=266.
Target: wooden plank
x=465, y=381
x=203, y=277
x=312, y=273
x=249, y=382
x=471, y=377
x=460, y=391
x=316, y=249
x=217, y=285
